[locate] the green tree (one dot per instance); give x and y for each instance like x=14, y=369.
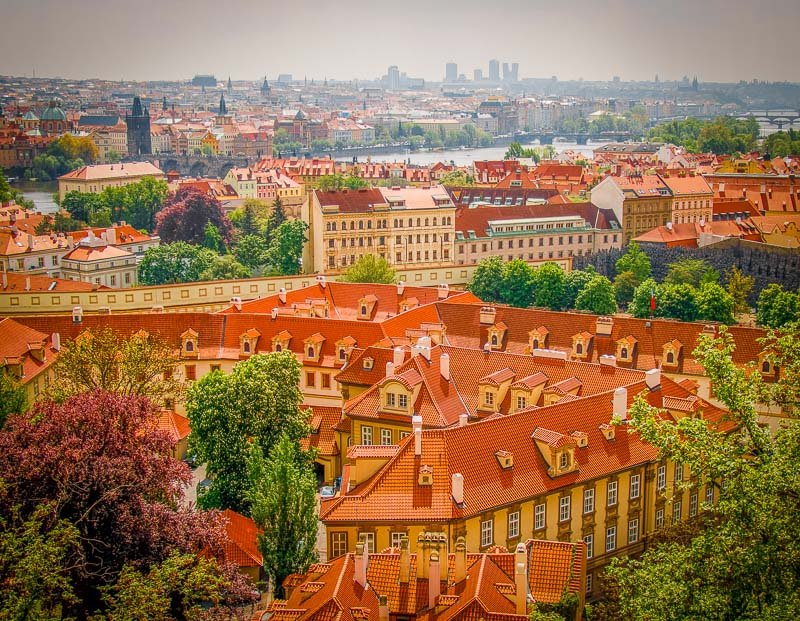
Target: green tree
x=330, y=183
x=286, y=247
x=739, y=288
x=254, y=404
x=251, y=251
x=518, y=284
x=248, y=222
x=640, y=305
x=12, y=397
x=173, y=263
x=744, y=564
x=142, y=201
x=81, y=205
x=624, y=287
x=487, y=280
x=213, y=239
x=100, y=218
x=284, y=504
x=370, y=268
x=456, y=178
x=635, y=261
x=776, y=307
x=225, y=268
x=678, y=302
x=276, y=217
x=549, y=286
x=694, y=272
x=714, y=303
x=597, y=297
x=574, y=282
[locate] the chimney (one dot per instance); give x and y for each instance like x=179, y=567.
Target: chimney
x=398, y=356
x=383, y=608
x=111, y=237
x=416, y=424
x=55, y=339
x=405, y=561
x=487, y=315
x=27, y=283
x=362, y=559
x=389, y=368
x=444, y=366
x=77, y=314
x=274, y=313
x=669, y=226
x=423, y=555
x=521, y=578
x=321, y=280
x=608, y=360
x=401, y=286
x=443, y=290
x=236, y=302
x=434, y=580
x=461, y=560
x=621, y=403
x=282, y=295
x=653, y=378
x=30, y=241
x=457, y=488
x=463, y=419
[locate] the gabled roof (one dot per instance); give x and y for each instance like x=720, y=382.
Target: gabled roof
x=242, y=546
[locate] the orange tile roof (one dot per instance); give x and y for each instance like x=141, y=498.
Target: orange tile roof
x=16, y=282
x=176, y=425
x=17, y=341
x=113, y=171
x=96, y=253
x=242, y=546
x=322, y=436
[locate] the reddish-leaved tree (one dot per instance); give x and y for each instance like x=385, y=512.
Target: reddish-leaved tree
x=100, y=461
x=185, y=215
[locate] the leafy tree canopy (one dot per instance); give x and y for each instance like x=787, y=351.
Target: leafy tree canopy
x=487, y=279
x=370, y=268
x=597, y=297
x=186, y=214
x=635, y=261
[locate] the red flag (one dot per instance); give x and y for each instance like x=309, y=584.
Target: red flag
x=652, y=299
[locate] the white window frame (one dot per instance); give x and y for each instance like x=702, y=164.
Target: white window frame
x=661, y=478
x=660, y=517
x=709, y=494
x=589, y=541
x=693, y=503
x=386, y=437
x=611, y=493
x=487, y=533
x=402, y=400
x=522, y=402
x=338, y=539
x=635, y=486
x=366, y=435
x=633, y=530
x=564, y=506
x=513, y=525
x=395, y=538
x=588, y=500
x=611, y=538
x=390, y=399
x=369, y=542
x=677, y=510
x=540, y=516
x=678, y=473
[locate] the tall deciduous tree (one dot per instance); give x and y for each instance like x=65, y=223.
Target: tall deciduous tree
x=12, y=397
x=487, y=279
x=678, y=302
x=286, y=247
x=225, y=268
x=186, y=214
x=776, y=307
x=370, y=268
x=574, y=282
x=255, y=403
x=597, y=297
x=625, y=286
x=740, y=287
x=284, y=505
x=640, y=306
x=173, y=263
x=636, y=261
x=251, y=251
x=714, y=303
x=549, y=286
x=518, y=286
x=140, y=365
x=96, y=475
x=694, y=272
x=143, y=200
x=744, y=564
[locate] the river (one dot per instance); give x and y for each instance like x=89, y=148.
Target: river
x=465, y=157
x=40, y=192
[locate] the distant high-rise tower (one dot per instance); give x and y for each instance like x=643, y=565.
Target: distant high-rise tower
x=477, y=75
x=515, y=72
x=230, y=85
x=138, y=122
x=223, y=110
x=494, y=70
x=265, y=88
x=451, y=72
x=393, y=78
x=506, y=72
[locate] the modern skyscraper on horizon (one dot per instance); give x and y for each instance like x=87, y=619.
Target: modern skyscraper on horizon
x=477, y=75
x=393, y=78
x=451, y=72
x=494, y=70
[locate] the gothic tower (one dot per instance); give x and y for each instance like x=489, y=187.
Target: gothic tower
x=138, y=122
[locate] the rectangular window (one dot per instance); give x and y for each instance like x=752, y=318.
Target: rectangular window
x=191, y=372
x=310, y=379
x=395, y=539
x=588, y=500
x=563, y=508
x=538, y=516
x=661, y=478
x=488, y=397
x=611, y=538
x=390, y=399
x=369, y=542
x=403, y=401
x=487, y=533
x=677, y=508
x=660, y=518
x=633, y=530
x=678, y=473
x=588, y=583
x=326, y=380
x=338, y=545
x=693, y=504
x=612, y=493
x=366, y=435
x=522, y=403
x=513, y=525
x=386, y=436
x=589, y=541
x=709, y=494
x=635, y=485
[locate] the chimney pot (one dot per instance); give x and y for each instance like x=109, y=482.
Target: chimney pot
x=389, y=368
x=620, y=403
x=463, y=419
x=521, y=578
x=401, y=286
x=461, y=560
x=416, y=424
x=653, y=378
x=398, y=356
x=444, y=366
x=282, y=295
x=405, y=561
x=434, y=579
x=457, y=486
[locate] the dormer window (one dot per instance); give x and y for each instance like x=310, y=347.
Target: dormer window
x=310, y=352
x=671, y=351
x=366, y=306
x=367, y=363
x=344, y=347
x=278, y=347
x=246, y=347
x=312, y=347
x=766, y=368
x=402, y=400
x=280, y=342
x=248, y=341
x=364, y=310
x=425, y=476
x=494, y=340
x=189, y=343
x=391, y=399
x=670, y=359
x=580, y=344
x=625, y=348
x=189, y=346
x=488, y=398
x=579, y=348
x=563, y=461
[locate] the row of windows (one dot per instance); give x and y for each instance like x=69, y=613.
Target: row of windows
x=384, y=224
x=386, y=437
x=427, y=254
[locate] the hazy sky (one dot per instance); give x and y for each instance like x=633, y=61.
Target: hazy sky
x=718, y=40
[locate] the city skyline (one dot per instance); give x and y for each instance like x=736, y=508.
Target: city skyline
x=569, y=42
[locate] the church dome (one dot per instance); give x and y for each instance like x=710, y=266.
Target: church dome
x=30, y=116
x=53, y=113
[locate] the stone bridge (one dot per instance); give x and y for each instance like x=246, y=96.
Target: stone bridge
x=196, y=165
x=778, y=118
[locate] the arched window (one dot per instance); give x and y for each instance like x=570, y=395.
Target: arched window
x=535, y=344
x=189, y=345
x=579, y=348
x=419, y=222
x=247, y=347
x=310, y=352
x=363, y=309
x=765, y=367
x=494, y=339
x=670, y=358
x=360, y=225
x=410, y=222
x=342, y=353
x=333, y=226
x=427, y=221
x=278, y=347
x=434, y=222
x=623, y=353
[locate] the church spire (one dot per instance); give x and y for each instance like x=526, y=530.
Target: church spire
x=222, y=109
x=230, y=85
